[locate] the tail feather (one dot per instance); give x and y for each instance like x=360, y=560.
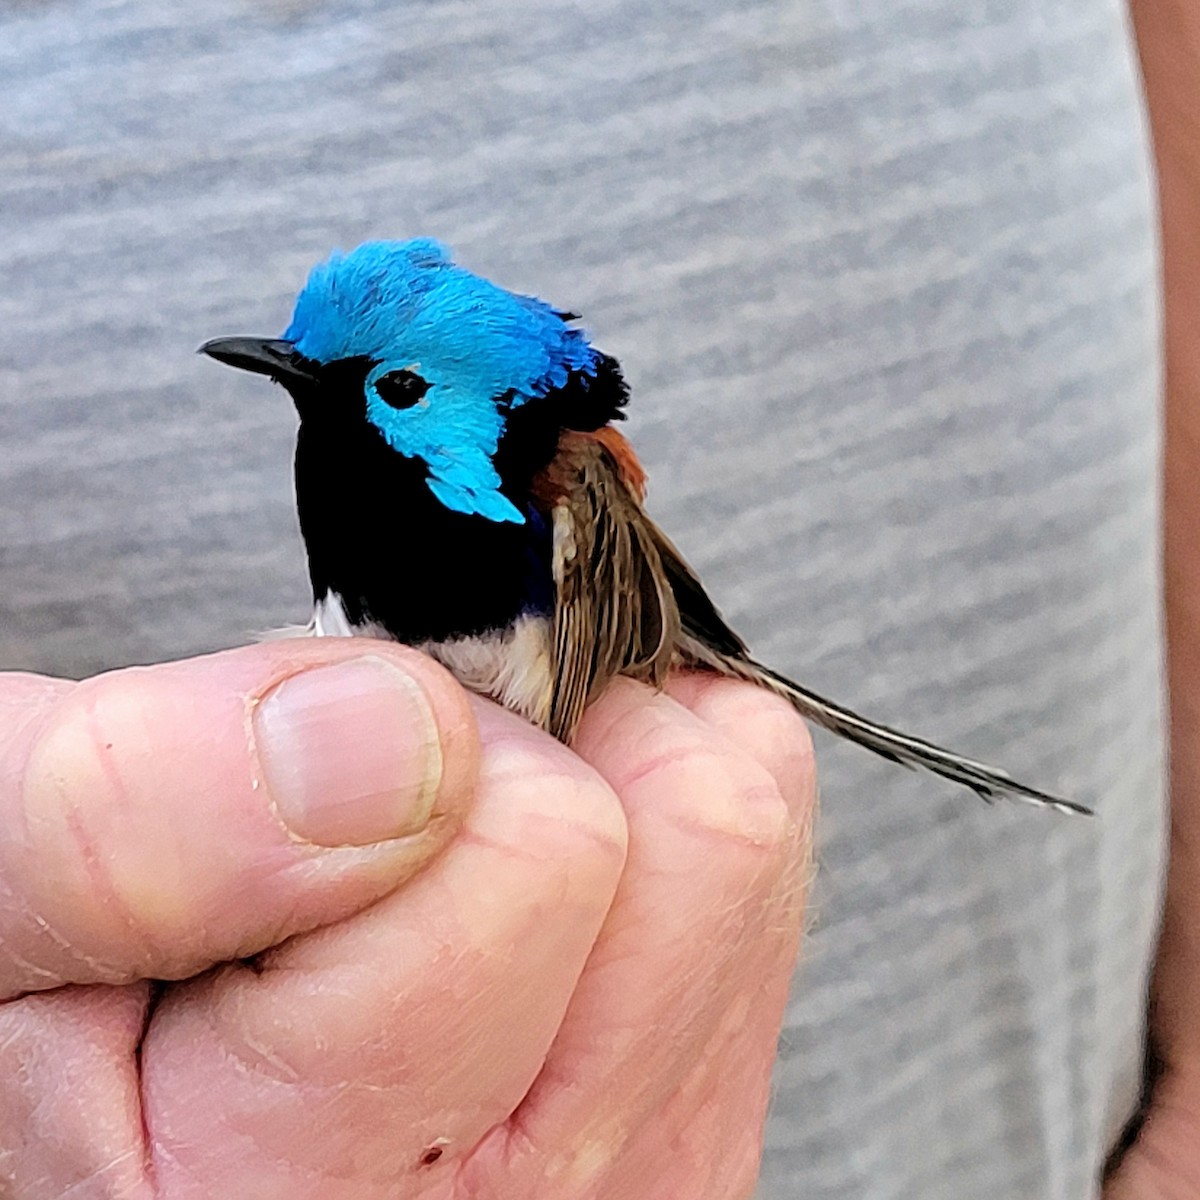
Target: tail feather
x=707, y=641
x=987, y=782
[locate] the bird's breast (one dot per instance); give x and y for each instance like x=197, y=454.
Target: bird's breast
x=514, y=666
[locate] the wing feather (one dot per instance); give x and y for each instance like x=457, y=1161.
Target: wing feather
x=615, y=612
x=628, y=604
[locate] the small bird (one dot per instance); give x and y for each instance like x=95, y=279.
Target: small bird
x=462, y=488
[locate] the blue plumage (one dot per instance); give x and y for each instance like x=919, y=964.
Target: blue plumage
x=483, y=351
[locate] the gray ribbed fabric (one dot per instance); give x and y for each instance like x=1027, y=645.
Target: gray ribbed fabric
x=882, y=277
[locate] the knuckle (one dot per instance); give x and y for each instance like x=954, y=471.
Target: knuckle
x=554, y=795
x=77, y=765
x=721, y=793
x=769, y=729
x=781, y=734
x=85, y=823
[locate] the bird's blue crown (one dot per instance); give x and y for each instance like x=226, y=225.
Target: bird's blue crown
x=482, y=351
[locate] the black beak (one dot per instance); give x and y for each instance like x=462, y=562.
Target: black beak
x=264, y=356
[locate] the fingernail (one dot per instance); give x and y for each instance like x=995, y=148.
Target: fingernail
x=350, y=753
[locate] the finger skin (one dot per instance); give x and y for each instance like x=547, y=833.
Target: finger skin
x=690, y=971
x=1164, y=1161
x=764, y=725
x=418, y=1025
x=734, y=1076
x=422, y=1023
x=140, y=839
x=70, y=1109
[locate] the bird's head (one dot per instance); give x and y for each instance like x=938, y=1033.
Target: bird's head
x=435, y=361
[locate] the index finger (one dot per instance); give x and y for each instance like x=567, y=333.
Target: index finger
x=703, y=932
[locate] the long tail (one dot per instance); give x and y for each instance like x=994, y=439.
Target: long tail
x=707, y=641
x=988, y=782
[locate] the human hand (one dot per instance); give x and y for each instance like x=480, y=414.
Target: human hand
x=578, y=997
x=1164, y=1161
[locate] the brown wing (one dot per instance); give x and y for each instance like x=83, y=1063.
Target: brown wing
x=621, y=587
x=614, y=610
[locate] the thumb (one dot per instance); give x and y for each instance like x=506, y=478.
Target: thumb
x=160, y=819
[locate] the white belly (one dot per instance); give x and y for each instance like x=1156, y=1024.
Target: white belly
x=512, y=668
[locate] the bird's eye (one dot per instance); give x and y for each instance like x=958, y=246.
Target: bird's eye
x=401, y=389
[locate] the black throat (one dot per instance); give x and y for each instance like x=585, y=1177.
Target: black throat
x=391, y=551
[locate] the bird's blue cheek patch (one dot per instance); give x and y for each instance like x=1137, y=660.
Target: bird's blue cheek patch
x=472, y=501
x=456, y=436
